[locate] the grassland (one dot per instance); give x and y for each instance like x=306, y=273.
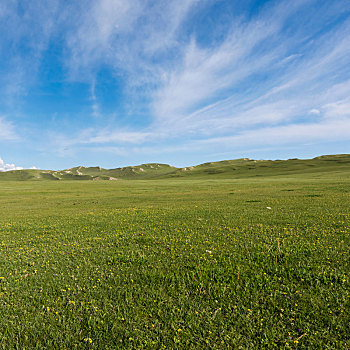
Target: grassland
x=231, y=169
x=184, y=263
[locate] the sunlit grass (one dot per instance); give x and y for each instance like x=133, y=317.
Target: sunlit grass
x=175, y=264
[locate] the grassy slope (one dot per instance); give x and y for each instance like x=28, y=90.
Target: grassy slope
x=242, y=168
x=239, y=168
x=200, y=264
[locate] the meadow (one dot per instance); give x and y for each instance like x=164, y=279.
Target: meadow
x=255, y=263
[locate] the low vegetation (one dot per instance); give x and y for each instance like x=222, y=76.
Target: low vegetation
x=207, y=262
x=233, y=169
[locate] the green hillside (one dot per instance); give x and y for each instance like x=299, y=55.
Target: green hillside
x=237, y=168
x=245, y=167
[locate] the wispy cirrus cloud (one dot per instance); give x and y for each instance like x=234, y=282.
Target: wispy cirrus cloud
x=135, y=40
x=290, y=88
x=260, y=77
x=178, y=75
x=7, y=130
x=28, y=27
x=91, y=39
x=125, y=35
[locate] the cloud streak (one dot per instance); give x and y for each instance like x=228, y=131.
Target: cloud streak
x=7, y=130
x=273, y=76
x=256, y=77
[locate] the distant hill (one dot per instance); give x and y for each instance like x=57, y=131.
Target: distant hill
x=237, y=168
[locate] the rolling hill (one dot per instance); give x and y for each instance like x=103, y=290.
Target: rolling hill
x=237, y=168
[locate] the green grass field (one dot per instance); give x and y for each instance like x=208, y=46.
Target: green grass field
x=176, y=263
x=231, y=169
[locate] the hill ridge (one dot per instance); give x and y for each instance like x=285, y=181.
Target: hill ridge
x=235, y=168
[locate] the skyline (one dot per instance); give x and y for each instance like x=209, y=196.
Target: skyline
x=115, y=83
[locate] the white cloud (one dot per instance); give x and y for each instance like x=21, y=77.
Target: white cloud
x=96, y=28
x=167, y=17
x=7, y=167
x=284, y=135
x=127, y=36
x=95, y=105
x=7, y=130
x=120, y=137
x=28, y=32
x=254, y=83
x=338, y=110
x=314, y=111
x=208, y=72
x=290, y=94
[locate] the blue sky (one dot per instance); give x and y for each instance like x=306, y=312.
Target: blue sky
x=114, y=82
